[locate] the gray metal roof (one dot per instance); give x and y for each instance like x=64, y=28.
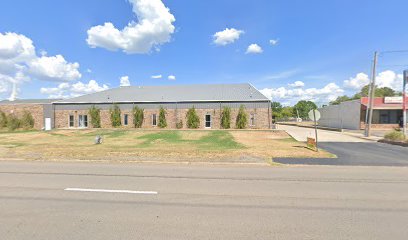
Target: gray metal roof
x=174, y=93
x=28, y=101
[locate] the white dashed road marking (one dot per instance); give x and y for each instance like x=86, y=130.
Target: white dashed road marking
x=109, y=191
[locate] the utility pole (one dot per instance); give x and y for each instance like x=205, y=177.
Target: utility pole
x=367, y=109
x=372, y=95
x=404, y=103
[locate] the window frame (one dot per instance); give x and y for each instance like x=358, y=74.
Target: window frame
x=154, y=119
x=125, y=119
x=69, y=121
x=205, y=120
x=252, y=119
x=84, y=118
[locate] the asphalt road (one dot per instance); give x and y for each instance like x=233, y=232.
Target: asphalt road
x=349, y=149
x=201, y=202
x=356, y=154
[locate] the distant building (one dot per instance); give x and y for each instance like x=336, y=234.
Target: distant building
x=387, y=113
x=208, y=100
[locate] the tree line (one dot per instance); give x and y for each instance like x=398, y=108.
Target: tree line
x=379, y=92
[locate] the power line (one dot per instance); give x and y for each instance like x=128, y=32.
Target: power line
x=394, y=51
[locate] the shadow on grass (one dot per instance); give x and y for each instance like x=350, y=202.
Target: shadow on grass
x=218, y=140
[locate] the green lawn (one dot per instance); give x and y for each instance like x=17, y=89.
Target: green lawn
x=136, y=144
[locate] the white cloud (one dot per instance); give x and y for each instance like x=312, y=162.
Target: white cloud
x=67, y=90
x=124, y=81
x=154, y=27
x=16, y=46
x=54, y=68
x=19, y=63
x=156, y=76
x=297, y=84
x=291, y=96
x=171, y=77
x=92, y=86
x=357, y=82
x=274, y=42
x=384, y=79
x=227, y=36
x=254, y=49
x=88, y=70
x=4, y=86
x=389, y=79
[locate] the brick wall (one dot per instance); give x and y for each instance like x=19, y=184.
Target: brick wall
x=36, y=110
x=172, y=117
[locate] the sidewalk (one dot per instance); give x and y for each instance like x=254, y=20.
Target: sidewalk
x=301, y=134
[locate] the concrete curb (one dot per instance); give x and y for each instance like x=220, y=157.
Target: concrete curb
x=318, y=127
x=139, y=162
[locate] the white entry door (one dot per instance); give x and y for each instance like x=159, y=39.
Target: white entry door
x=47, y=124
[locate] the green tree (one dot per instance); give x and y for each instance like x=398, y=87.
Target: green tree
x=115, y=116
x=12, y=122
x=379, y=92
x=303, y=107
x=287, y=112
x=138, y=115
x=95, y=114
x=340, y=99
x=162, y=118
x=242, y=118
x=276, y=107
x=226, y=118
x=27, y=121
x=3, y=120
x=193, y=121
x=276, y=110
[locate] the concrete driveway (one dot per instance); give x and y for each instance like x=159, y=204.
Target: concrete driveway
x=350, y=150
x=301, y=134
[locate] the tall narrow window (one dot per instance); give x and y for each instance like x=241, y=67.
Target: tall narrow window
x=252, y=119
x=71, y=121
x=83, y=121
x=208, y=121
x=154, y=119
x=125, y=119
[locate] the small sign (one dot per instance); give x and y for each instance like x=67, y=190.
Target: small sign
x=311, y=143
x=312, y=116
x=392, y=99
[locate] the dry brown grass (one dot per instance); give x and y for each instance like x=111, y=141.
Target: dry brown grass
x=142, y=145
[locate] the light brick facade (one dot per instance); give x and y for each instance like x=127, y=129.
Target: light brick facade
x=36, y=110
x=207, y=99
x=262, y=118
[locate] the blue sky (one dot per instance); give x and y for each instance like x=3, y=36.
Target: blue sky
x=320, y=45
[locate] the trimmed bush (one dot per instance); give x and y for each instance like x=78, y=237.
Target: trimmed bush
x=226, y=118
x=179, y=125
x=138, y=115
x=162, y=118
x=193, y=121
x=12, y=122
x=395, y=136
x=95, y=114
x=27, y=121
x=3, y=120
x=115, y=116
x=242, y=118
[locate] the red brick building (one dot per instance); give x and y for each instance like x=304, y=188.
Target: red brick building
x=387, y=113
